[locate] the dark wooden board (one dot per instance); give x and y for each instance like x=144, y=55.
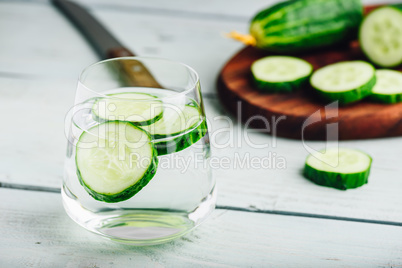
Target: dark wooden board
x=362, y=120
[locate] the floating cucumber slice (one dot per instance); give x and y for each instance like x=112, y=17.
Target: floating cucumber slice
x=179, y=128
x=182, y=141
x=380, y=36
x=281, y=73
x=388, y=88
x=338, y=168
x=346, y=81
x=137, y=108
x=115, y=160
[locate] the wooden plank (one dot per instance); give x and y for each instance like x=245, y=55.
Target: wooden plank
x=35, y=149
x=38, y=145
x=45, y=45
x=269, y=185
x=221, y=9
x=56, y=49
x=33, y=141
x=39, y=234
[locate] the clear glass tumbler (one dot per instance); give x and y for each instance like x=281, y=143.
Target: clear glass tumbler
x=137, y=167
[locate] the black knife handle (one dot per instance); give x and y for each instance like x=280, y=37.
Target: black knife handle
x=118, y=52
x=92, y=30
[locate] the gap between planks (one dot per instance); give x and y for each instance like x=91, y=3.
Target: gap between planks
x=272, y=212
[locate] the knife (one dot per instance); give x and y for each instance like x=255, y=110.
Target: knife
x=105, y=44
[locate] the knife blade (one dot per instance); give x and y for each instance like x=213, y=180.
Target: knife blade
x=105, y=44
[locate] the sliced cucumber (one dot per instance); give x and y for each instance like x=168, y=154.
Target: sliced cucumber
x=338, y=168
x=182, y=141
x=115, y=160
x=179, y=128
x=388, y=88
x=281, y=73
x=380, y=36
x=137, y=108
x=347, y=81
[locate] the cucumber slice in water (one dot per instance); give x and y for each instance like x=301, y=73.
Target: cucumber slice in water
x=179, y=128
x=388, y=88
x=115, y=160
x=136, y=108
x=347, y=81
x=281, y=73
x=380, y=36
x=338, y=168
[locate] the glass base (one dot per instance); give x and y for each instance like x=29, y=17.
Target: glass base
x=138, y=226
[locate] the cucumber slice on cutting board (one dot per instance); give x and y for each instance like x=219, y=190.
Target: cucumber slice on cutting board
x=281, y=73
x=338, y=168
x=347, y=81
x=388, y=88
x=179, y=128
x=136, y=108
x=380, y=36
x=115, y=160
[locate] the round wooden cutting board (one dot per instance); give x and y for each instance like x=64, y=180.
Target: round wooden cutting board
x=301, y=114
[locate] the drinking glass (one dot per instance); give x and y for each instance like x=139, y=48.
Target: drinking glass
x=137, y=166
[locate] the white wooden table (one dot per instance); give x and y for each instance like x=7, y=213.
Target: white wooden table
x=265, y=217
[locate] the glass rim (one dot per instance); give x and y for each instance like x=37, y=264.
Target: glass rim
x=175, y=93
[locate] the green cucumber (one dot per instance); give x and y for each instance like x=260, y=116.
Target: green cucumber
x=301, y=25
x=388, y=88
x=136, y=108
x=339, y=168
x=347, y=81
x=380, y=36
x=179, y=128
x=115, y=160
x=281, y=73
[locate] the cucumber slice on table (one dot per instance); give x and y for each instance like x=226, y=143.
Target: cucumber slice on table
x=381, y=36
x=281, y=73
x=136, y=108
x=346, y=81
x=179, y=128
x=115, y=160
x=338, y=168
x=388, y=88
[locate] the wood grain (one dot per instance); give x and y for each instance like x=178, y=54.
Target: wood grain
x=40, y=234
x=362, y=120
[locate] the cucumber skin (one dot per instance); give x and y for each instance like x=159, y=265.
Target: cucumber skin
x=180, y=143
x=348, y=13
x=346, y=97
x=397, y=6
x=384, y=98
x=279, y=87
x=128, y=192
x=336, y=180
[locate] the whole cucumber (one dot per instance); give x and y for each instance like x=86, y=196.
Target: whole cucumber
x=301, y=25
